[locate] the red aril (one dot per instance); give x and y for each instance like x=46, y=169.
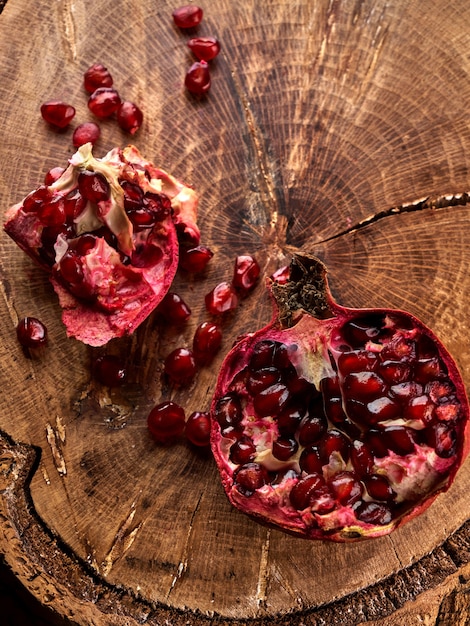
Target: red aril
x=31, y=332
x=319, y=426
x=180, y=366
x=88, y=132
x=96, y=76
x=110, y=370
x=129, y=117
x=195, y=260
x=106, y=230
x=104, y=101
x=166, y=422
x=281, y=275
x=206, y=342
x=221, y=299
x=52, y=175
x=245, y=274
x=174, y=309
x=204, y=48
x=57, y=113
x=198, y=428
x=198, y=79
x=187, y=16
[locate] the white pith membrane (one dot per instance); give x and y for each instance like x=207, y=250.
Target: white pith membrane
x=126, y=285
x=314, y=347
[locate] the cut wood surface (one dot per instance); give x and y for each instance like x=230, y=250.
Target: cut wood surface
x=337, y=127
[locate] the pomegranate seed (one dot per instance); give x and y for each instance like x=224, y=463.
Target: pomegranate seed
x=345, y=488
x=104, y=102
x=250, y=477
x=383, y=409
x=364, y=386
x=88, y=132
x=361, y=458
x=284, y=448
x=419, y=409
x=332, y=400
x=374, y=513
x=242, y=451
x=310, y=461
x=57, y=113
x=271, y=400
x=187, y=16
x=109, y=370
x=198, y=428
x=34, y=200
x=174, y=309
x=246, y=273
x=443, y=438
x=70, y=267
x=305, y=491
x=394, y=372
x=288, y=420
x=268, y=353
x=195, y=260
x=334, y=441
x=129, y=117
x=311, y=429
x=360, y=330
x=158, y=204
x=261, y=379
x=221, y=299
x=133, y=195
x=281, y=275
x=93, y=186
x=31, y=332
x=74, y=203
x=198, y=79
x=378, y=487
x=374, y=439
x=166, y=422
x=206, y=342
x=52, y=212
x=204, y=48
x=53, y=174
x=357, y=361
x=180, y=366
x=228, y=411
x=399, y=439
x=97, y=76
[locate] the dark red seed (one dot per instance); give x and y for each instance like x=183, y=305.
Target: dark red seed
x=133, y=195
x=357, y=361
x=31, y=332
x=374, y=513
x=359, y=331
x=70, y=267
x=88, y=132
x=281, y=276
x=195, y=260
x=204, y=48
x=110, y=370
x=334, y=441
x=242, y=451
x=394, y=372
x=198, y=428
x=332, y=400
x=375, y=441
x=221, y=299
x=379, y=487
x=289, y=420
x=246, y=273
x=284, y=448
x=34, y=200
x=258, y=380
x=399, y=439
x=443, y=438
x=250, y=477
x=267, y=353
x=174, y=309
x=364, y=386
x=187, y=16
x=93, y=186
x=206, y=342
x=104, y=102
x=419, y=409
x=52, y=212
x=361, y=458
x=405, y=391
x=228, y=411
x=198, y=80
x=345, y=488
x=166, y=422
x=83, y=244
x=399, y=348
x=272, y=400
x=129, y=117
x=96, y=76
x=383, y=409
x=53, y=174
x=311, y=429
x=180, y=366
x=310, y=461
x=159, y=204
x=304, y=492
x=57, y=113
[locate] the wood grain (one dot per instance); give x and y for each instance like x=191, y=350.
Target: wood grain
x=337, y=127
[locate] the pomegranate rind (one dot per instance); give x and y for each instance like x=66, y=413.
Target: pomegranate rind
x=418, y=477
x=125, y=294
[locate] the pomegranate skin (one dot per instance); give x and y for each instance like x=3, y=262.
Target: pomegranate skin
x=416, y=459
x=109, y=272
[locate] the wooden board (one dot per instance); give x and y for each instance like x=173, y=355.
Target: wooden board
x=337, y=127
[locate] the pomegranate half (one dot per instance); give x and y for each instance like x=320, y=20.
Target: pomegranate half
x=107, y=231
x=334, y=423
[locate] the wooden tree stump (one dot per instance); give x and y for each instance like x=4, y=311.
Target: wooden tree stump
x=337, y=127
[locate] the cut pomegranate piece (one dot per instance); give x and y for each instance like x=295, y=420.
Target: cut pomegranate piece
x=221, y=299
x=326, y=399
x=166, y=422
x=187, y=16
x=57, y=113
x=104, y=102
x=198, y=79
x=88, y=132
x=110, y=265
x=204, y=48
x=129, y=117
x=31, y=332
x=97, y=76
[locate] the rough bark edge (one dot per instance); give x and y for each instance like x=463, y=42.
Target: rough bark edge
x=83, y=593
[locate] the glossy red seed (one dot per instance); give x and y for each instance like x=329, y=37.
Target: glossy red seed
x=198, y=79
x=284, y=447
x=399, y=439
x=166, y=422
x=96, y=76
x=158, y=204
x=180, y=366
x=272, y=400
x=364, y=386
x=258, y=380
x=204, y=48
x=443, y=438
x=52, y=212
x=281, y=275
x=174, y=309
x=383, y=409
x=93, y=186
x=361, y=458
x=246, y=273
x=104, y=102
x=221, y=299
x=129, y=117
x=288, y=420
x=345, y=487
x=206, y=342
x=53, y=174
x=57, y=113
x=334, y=441
x=187, y=16
x=357, y=361
x=198, y=428
x=394, y=372
x=379, y=487
x=70, y=267
x=419, y=409
x=304, y=491
x=250, y=477
x=195, y=260
x=74, y=203
x=88, y=132
x=374, y=513
x=242, y=451
x=110, y=370
x=228, y=411
x=311, y=429
x=31, y=332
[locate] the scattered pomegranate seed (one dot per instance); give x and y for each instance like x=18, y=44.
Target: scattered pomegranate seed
x=53, y=174
x=57, y=113
x=88, y=132
x=166, y=422
x=204, y=48
x=198, y=428
x=206, y=342
x=221, y=299
x=31, y=332
x=195, y=260
x=180, y=366
x=246, y=273
x=97, y=76
x=174, y=309
x=104, y=101
x=129, y=117
x=198, y=80
x=110, y=370
x=187, y=16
